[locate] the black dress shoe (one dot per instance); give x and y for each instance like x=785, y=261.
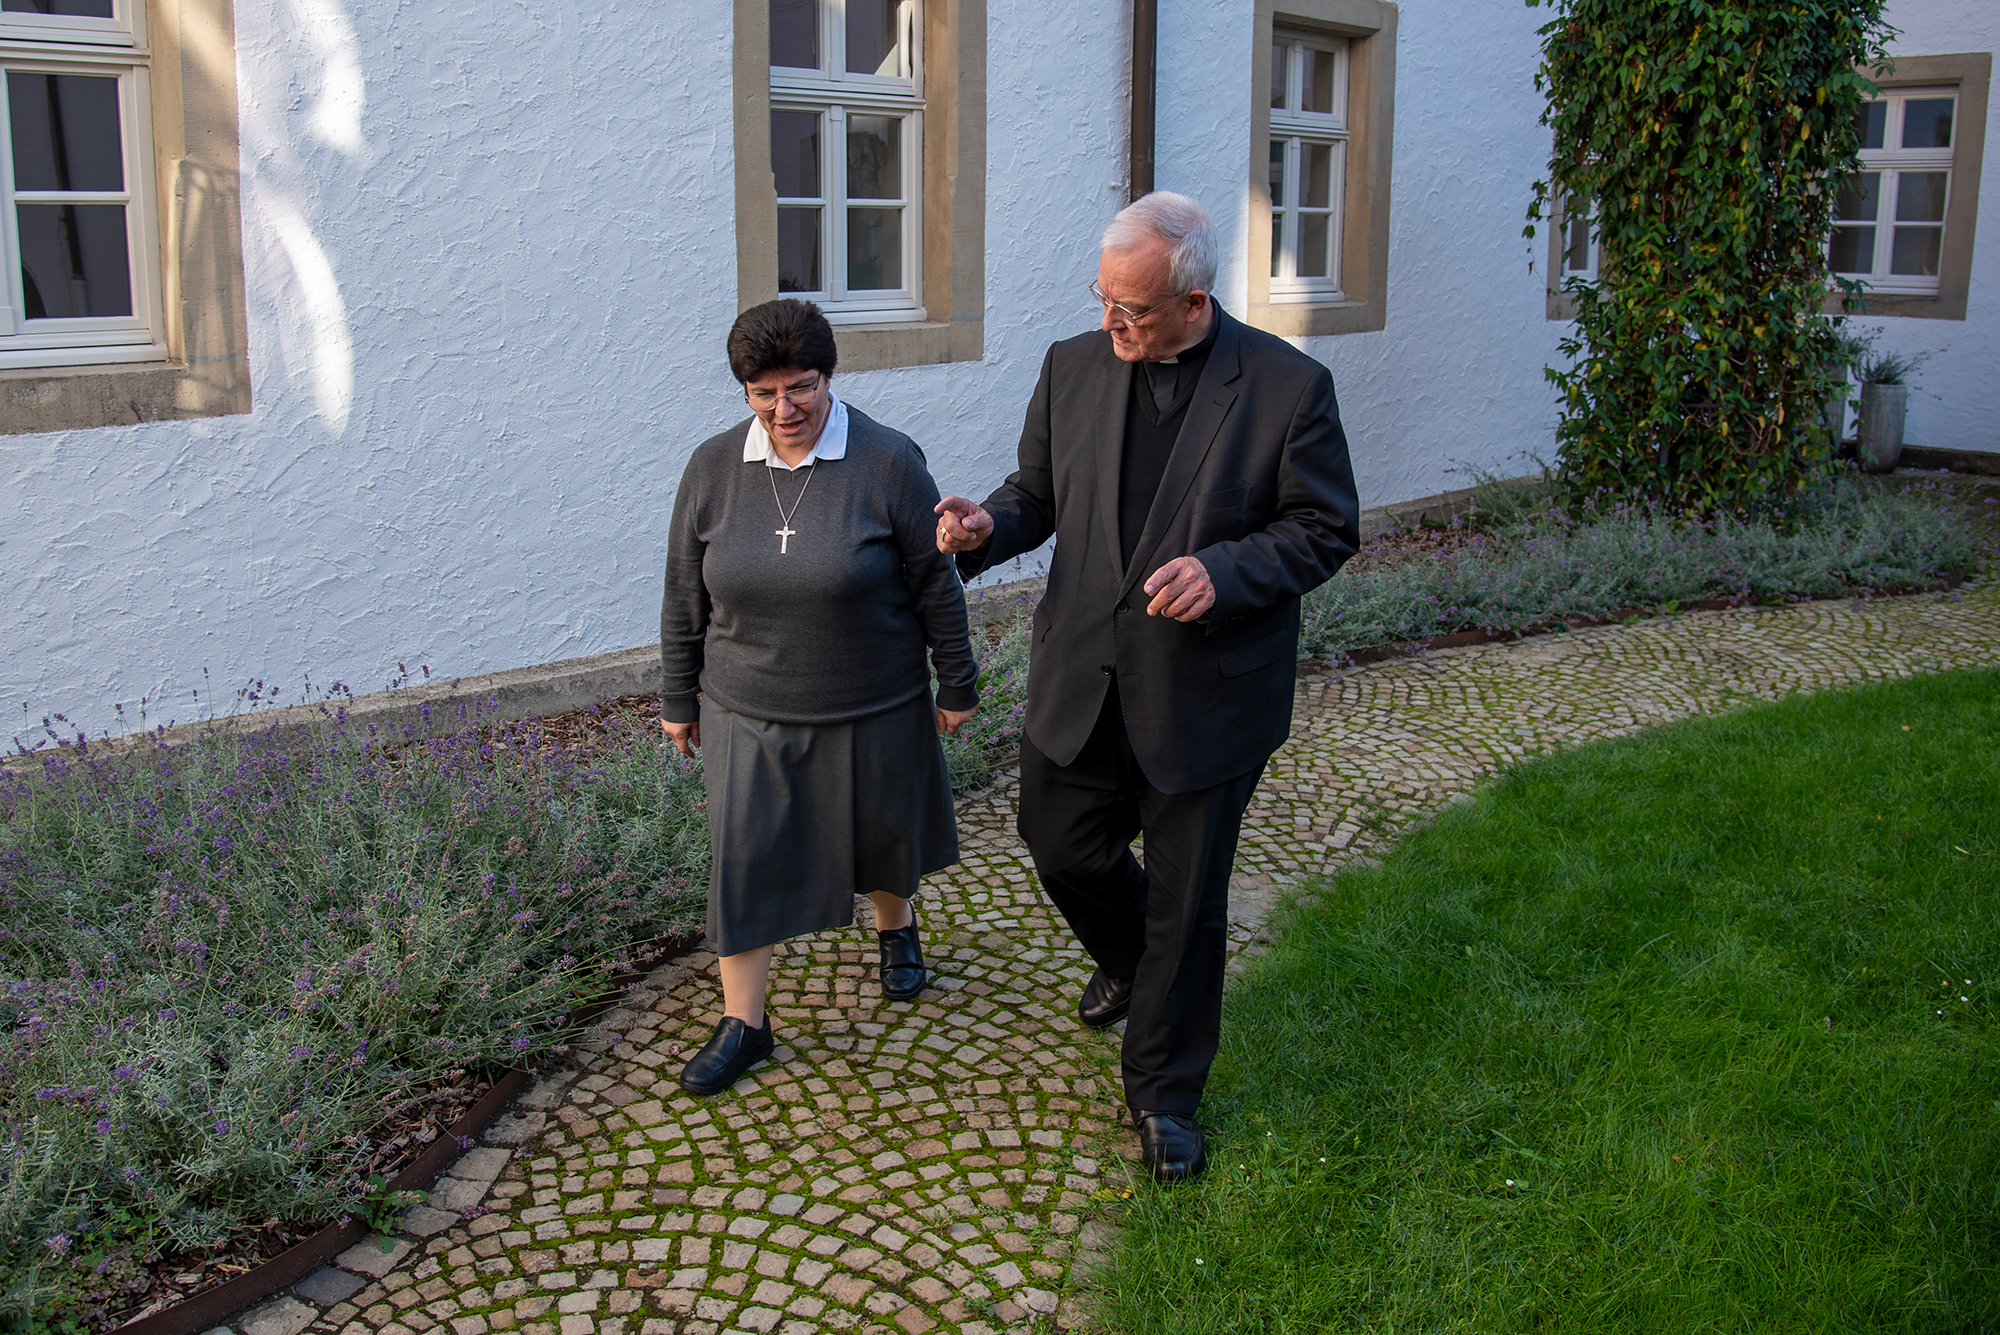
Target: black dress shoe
x=1105, y=1000
x=1172, y=1147
x=903, y=972
x=731, y=1050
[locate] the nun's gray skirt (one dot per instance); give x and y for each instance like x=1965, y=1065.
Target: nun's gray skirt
x=803, y=817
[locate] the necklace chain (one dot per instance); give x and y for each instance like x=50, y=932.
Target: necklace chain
x=786, y=532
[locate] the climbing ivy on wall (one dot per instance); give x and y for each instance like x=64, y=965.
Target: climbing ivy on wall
x=1703, y=135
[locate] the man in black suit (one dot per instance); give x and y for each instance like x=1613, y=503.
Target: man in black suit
x=1195, y=477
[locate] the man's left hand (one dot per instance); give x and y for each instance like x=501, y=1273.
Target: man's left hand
x=1181, y=589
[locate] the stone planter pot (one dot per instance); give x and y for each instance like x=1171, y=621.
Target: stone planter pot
x=1879, y=440
x=1836, y=415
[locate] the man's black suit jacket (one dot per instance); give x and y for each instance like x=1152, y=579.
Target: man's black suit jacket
x=1259, y=488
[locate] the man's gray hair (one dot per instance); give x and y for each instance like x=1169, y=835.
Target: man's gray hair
x=1180, y=222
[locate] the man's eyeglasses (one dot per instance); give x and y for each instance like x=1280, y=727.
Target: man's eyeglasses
x=801, y=396
x=1126, y=313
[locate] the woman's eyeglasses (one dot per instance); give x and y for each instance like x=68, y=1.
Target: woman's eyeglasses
x=800, y=395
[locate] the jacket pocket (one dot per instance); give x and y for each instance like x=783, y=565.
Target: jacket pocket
x=1261, y=653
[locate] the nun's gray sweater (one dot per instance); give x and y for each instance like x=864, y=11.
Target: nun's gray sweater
x=835, y=628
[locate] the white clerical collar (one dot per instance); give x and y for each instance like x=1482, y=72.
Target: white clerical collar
x=832, y=442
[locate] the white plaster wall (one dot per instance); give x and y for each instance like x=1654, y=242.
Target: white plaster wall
x=491, y=264
x=1454, y=381
x=1955, y=396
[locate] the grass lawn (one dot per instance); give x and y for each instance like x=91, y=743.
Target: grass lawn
x=1693, y=1031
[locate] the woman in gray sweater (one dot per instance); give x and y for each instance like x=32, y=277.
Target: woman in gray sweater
x=804, y=587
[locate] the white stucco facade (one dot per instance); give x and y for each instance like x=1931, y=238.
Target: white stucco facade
x=491, y=260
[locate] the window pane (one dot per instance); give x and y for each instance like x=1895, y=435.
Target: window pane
x=1927, y=123
x=1279, y=50
x=795, y=154
x=1917, y=251
x=1277, y=242
x=1316, y=88
x=1857, y=199
x=798, y=251
x=74, y=260
x=874, y=249
x=65, y=132
x=1315, y=237
x=1281, y=196
x=1872, y=122
x=1318, y=173
x=1576, y=249
x=1852, y=251
x=1920, y=196
x=82, y=9
x=875, y=157
x=874, y=43
x=795, y=34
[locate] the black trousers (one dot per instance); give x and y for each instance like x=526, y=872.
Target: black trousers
x=1163, y=924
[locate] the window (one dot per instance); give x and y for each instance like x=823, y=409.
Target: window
x=1903, y=225
x=1575, y=251
x=1323, y=79
x=861, y=171
x=1889, y=218
x=121, y=239
x=846, y=140
x=77, y=223
x=1308, y=157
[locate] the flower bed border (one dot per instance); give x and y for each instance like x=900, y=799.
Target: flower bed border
x=204, y=1311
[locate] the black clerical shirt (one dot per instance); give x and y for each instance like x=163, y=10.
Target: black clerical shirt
x=1161, y=392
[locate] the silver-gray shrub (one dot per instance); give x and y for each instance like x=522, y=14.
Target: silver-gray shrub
x=1543, y=567
x=222, y=961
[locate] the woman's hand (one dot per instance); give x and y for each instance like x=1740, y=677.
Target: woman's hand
x=686, y=736
x=951, y=720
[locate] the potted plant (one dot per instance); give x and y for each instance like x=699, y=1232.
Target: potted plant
x=1885, y=403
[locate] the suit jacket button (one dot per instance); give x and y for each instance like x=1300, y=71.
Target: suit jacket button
x=1123, y=606
x=1106, y=669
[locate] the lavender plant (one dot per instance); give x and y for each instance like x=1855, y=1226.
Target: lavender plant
x=1536, y=567
x=222, y=961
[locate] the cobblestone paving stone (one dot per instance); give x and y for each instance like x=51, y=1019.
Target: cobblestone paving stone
x=943, y=1164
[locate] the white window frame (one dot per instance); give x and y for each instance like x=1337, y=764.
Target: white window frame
x=1296, y=130
x=834, y=94
x=115, y=47
x=1891, y=161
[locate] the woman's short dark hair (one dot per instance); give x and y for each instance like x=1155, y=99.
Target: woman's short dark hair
x=782, y=335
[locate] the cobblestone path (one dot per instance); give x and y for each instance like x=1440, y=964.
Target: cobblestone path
x=944, y=1164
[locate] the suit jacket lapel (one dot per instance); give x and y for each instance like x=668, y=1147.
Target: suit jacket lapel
x=1106, y=423
x=1211, y=403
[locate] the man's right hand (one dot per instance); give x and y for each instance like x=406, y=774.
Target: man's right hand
x=962, y=526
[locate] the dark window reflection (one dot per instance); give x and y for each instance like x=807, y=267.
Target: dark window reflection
x=1927, y=123
x=65, y=132
x=798, y=250
x=1920, y=196
x=1917, y=251
x=1871, y=123
x=874, y=249
x=76, y=9
x=872, y=45
x=1855, y=201
x=1852, y=251
x=74, y=261
x=874, y=157
x=795, y=153
x=795, y=34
